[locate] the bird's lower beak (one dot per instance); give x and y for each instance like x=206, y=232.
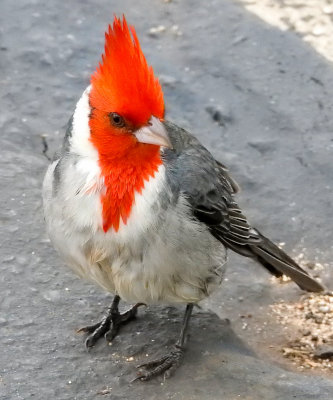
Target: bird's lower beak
x=154, y=133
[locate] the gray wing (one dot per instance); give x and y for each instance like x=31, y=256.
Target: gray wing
x=210, y=190
x=192, y=170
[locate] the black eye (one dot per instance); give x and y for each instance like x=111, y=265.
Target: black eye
x=117, y=120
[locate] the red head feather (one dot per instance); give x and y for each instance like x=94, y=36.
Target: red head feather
x=126, y=85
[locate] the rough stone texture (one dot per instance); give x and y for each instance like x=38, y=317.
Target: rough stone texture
x=272, y=95
x=311, y=19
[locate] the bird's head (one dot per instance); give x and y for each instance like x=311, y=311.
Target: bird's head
x=126, y=99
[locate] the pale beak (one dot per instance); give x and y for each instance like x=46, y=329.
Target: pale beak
x=153, y=133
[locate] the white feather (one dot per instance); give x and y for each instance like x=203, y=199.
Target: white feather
x=80, y=140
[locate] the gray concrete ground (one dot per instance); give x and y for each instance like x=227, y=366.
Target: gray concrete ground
x=273, y=97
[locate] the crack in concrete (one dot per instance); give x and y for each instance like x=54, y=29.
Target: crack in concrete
x=45, y=147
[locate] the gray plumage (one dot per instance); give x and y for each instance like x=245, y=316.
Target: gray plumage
x=210, y=190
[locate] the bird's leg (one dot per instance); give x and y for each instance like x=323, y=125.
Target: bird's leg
x=110, y=324
x=171, y=361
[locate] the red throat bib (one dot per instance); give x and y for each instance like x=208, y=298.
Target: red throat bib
x=123, y=179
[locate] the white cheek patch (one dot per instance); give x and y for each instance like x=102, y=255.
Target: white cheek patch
x=80, y=140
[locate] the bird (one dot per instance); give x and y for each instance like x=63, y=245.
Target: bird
x=137, y=205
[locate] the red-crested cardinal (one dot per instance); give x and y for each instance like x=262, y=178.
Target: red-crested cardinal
x=137, y=205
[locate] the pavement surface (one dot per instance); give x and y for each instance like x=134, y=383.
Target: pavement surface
x=260, y=100
x=310, y=19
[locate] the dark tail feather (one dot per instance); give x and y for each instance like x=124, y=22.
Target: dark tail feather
x=279, y=263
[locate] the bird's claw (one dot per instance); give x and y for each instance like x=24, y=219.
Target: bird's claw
x=96, y=331
x=166, y=364
x=109, y=326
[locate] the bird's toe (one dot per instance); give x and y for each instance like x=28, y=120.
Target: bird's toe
x=166, y=364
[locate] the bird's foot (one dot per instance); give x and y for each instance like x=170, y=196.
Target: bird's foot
x=166, y=364
x=109, y=326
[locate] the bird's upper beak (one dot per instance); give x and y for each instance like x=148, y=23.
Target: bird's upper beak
x=154, y=133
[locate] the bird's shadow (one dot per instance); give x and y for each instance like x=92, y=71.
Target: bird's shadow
x=210, y=340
